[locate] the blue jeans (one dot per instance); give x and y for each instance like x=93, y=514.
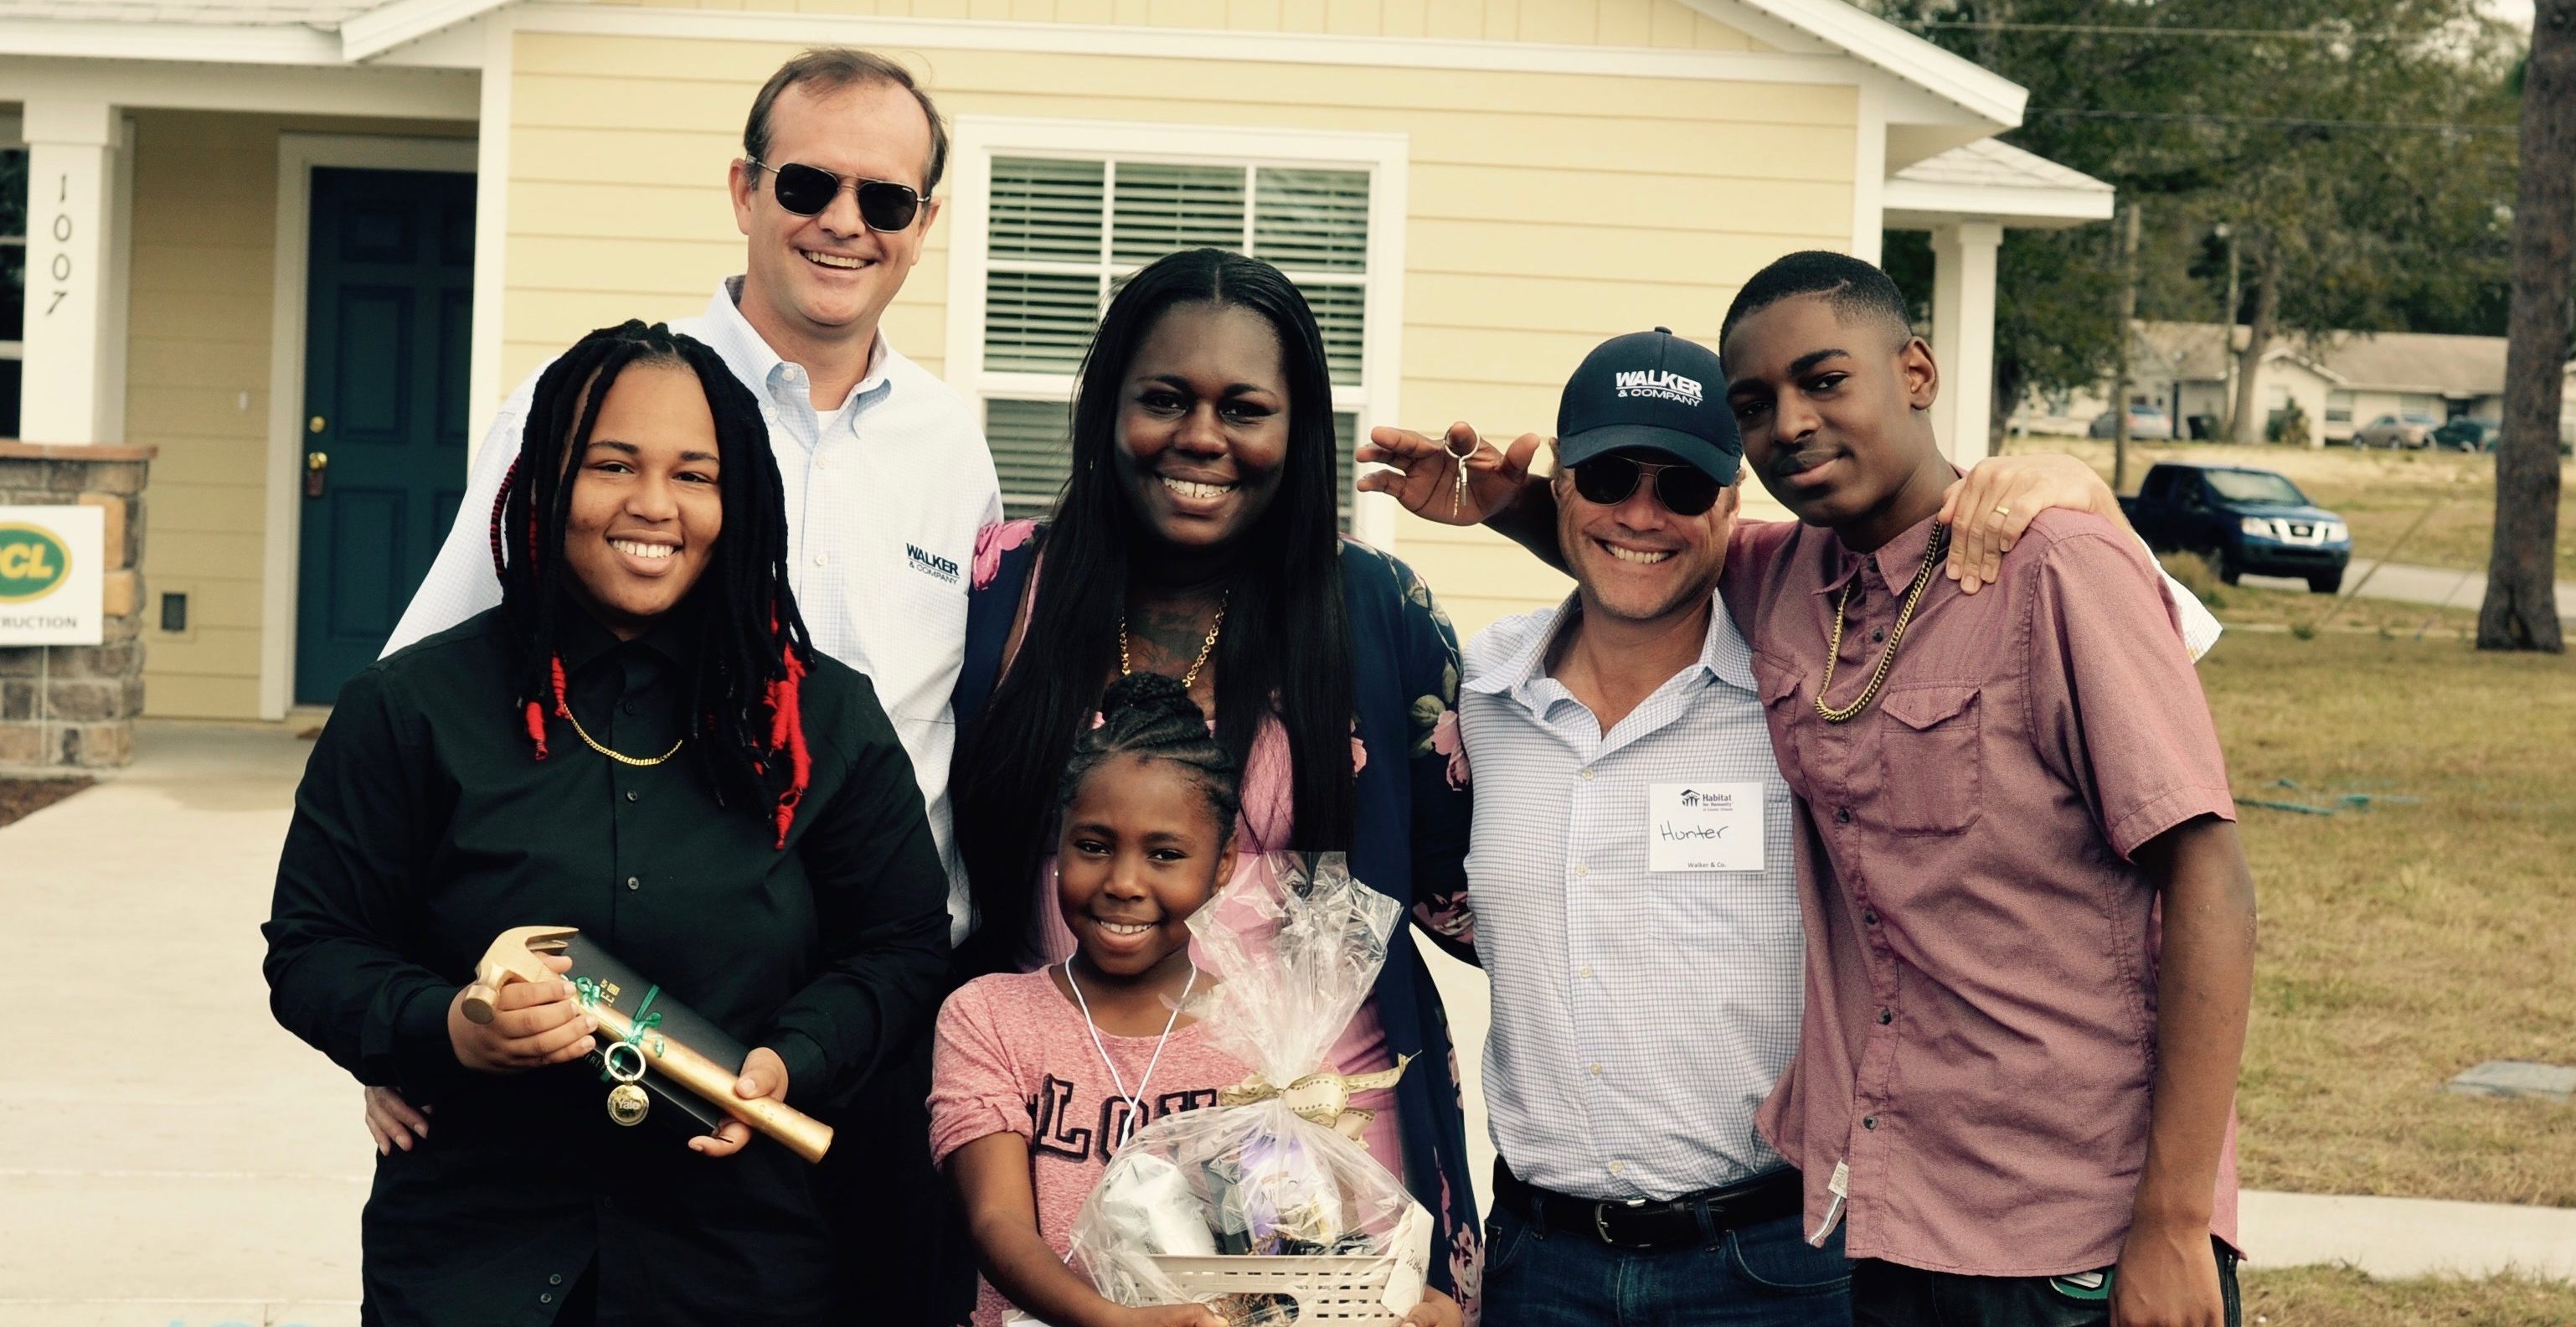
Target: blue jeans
x=1761, y=1275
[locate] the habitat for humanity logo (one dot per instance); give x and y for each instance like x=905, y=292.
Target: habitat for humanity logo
x=1713, y=801
x=1660, y=385
x=33, y=563
x=931, y=563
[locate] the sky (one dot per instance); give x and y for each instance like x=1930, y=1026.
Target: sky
x=2517, y=11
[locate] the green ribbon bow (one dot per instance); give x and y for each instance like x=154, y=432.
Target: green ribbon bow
x=647, y=1019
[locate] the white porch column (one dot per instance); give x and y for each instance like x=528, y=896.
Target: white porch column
x=1963, y=335
x=75, y=339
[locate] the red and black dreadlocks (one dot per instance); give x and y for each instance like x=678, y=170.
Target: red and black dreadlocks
x=753, y=660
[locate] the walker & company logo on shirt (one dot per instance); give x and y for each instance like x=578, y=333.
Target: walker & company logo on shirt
x=931, y=563
x=1659, y=385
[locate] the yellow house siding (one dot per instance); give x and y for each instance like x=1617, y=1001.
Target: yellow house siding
x=1546, y=212
x=1665, y=23
x=203, y=287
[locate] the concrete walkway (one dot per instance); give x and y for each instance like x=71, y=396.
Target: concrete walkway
x=2434, y=587
x=170, y=1158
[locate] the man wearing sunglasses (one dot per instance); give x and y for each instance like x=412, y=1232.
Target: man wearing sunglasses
x=888, y=480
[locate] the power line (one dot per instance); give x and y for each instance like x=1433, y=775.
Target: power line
x=2279, y=121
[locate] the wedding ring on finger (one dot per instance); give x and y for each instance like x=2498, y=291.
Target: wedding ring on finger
x=608, y=1061
x=2002, y=510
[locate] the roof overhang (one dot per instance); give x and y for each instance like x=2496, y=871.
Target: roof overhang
x=1936, y=100
x=1992, y=180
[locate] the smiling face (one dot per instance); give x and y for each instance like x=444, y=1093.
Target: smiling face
x=1141, y=850
x=827, y=278
x=1203, y=424
x=1635, y=560
x=1831, y=408
x=645, y=507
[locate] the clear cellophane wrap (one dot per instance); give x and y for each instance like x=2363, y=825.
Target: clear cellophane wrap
x=1296, y=948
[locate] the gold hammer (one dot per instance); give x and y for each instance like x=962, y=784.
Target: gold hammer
x=513, y=957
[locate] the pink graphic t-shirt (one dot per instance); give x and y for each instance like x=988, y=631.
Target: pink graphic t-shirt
x=1014, y=1056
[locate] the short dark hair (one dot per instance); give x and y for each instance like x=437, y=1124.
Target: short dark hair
x=830, y=69
x=1855, y=288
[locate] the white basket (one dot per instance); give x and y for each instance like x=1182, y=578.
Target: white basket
x=1344, y=1291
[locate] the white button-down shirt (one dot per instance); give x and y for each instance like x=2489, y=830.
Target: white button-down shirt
x=884, y=498
x=1640, y=1017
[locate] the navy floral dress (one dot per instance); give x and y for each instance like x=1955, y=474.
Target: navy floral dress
x=1409, y=842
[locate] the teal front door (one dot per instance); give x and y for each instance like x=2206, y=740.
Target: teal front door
x=388, y=327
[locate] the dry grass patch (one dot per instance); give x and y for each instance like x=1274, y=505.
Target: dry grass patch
x=2405, y=942
x=2246, y=608
x=2380, y=493
x=2342, y=1297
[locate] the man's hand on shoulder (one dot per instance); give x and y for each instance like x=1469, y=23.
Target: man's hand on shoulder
x=1990, y=507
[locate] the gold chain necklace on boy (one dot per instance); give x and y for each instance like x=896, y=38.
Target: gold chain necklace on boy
x=1206, y=647
x=1895, y=635
x=640, y=762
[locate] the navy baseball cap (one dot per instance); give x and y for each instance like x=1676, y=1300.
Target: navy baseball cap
x=1653, y=392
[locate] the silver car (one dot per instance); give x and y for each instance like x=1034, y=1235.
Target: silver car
x=2401, y=430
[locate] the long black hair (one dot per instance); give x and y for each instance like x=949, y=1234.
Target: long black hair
x=753, y=653
x=1285, y=649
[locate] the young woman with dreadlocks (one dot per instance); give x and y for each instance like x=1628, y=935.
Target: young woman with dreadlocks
x=641, y=743
x=1198, y=537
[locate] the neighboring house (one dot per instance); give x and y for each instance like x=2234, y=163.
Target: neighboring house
x=2341, y=381
x=262, y=232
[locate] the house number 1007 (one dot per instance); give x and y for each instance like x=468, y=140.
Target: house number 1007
x=62, y=267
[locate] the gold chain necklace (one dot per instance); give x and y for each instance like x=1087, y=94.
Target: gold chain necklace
x=619, y=756
x=1895, y=636
x=1206, y=647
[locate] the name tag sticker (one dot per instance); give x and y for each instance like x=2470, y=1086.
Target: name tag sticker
x=1704, y=827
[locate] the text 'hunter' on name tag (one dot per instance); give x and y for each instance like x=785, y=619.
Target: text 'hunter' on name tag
x=1704, y=827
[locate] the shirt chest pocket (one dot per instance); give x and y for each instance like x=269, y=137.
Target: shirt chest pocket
x=1932, y=759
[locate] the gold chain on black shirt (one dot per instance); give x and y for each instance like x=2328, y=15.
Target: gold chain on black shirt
x=1896, y=635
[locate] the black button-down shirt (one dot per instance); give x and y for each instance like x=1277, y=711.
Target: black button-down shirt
x=424, y=827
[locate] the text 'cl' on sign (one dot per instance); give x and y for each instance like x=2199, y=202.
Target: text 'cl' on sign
x=33, y=563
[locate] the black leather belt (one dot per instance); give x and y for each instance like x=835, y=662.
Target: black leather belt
x=1646, y=1225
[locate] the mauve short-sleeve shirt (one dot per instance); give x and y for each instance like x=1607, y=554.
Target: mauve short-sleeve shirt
x=1981, y=953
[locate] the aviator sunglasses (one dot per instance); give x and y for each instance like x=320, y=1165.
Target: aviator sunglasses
x=1608, y=480
x=807, y=190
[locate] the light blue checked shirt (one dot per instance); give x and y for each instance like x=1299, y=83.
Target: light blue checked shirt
x=884, y=499
x=1640, y=1017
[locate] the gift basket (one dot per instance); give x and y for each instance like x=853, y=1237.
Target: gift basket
x=1266, y=1207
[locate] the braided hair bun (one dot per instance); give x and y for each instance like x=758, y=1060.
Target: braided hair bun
x=1152, y=717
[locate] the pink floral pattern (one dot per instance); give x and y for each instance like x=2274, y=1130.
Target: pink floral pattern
x=993, y=541
x=1446, y=741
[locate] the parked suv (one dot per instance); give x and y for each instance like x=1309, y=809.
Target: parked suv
x=2243, y=519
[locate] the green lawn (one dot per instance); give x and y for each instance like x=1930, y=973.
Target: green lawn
x=2408, y=941
x=2380, y=493
x=2340, y=1297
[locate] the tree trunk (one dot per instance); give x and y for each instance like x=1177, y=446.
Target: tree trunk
x=2258, y=339
x=2000, y=406
x=2227, y=336
x=2521, y=608
x=2127, y=333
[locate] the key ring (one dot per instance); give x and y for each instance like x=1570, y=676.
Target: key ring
x=608, y=1061
x=1458, y=492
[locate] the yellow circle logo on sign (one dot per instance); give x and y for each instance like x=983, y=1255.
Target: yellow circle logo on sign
x=33, y=563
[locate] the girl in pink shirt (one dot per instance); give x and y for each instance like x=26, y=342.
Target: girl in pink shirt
x=1039, y=1077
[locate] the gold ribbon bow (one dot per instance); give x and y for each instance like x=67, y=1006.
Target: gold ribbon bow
x=1323, y=1096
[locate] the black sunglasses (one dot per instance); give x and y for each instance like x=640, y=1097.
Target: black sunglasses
x=1608, y=480
x=807, y=190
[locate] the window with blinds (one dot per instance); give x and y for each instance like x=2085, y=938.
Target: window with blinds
x=1061, y=233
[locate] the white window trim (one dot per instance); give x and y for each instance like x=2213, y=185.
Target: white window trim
x=977, y=139
x=297, y=156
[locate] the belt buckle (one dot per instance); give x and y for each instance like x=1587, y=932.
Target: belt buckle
x=1601, y=1218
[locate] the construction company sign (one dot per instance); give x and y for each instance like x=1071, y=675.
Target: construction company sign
x=51, y=579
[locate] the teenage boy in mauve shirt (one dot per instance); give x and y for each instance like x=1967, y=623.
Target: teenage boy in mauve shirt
x=2030, y=927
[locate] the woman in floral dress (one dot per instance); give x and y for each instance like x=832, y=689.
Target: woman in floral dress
x=1197, y=536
